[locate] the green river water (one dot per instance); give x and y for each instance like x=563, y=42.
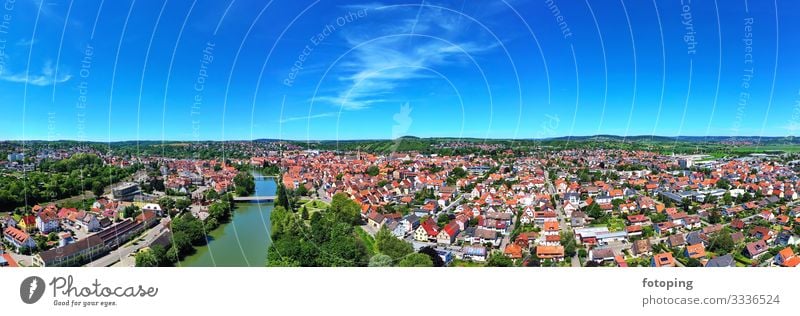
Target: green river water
x=242, y=242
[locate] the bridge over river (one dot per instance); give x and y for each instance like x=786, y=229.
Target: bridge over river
x=256, y=199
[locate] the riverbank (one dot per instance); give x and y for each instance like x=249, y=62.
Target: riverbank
x=243, y=241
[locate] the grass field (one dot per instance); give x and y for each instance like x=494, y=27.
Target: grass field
x=616, y=224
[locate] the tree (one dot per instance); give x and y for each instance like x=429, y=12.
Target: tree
x=594, y=211
x=212, y=194
x=714, y=216
x=182, y=203
x=435, y=258
x=416, y=260
x=373, y=170
x=301, y=190
x=129, y=211
x=497, y=259
x=568, y=240
x=442, y=220
x=97, y=188
x=245, y=183
x=380, y=260
x=304, y=213
x=146, y=258
x=345, y=209
x=391, y=246
x=721, y=242
x=692, y=262
x=727, y=198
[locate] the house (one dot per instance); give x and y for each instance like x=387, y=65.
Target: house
x=721, y=261
x=550, y=252
x=447, y=235
x=603, y=199
x=664, y=227
x=153, y=207
x=578, y=219
x=663, y=259
x=147, y=217
x=27, y=223
x=761, y=232
x=787, y=258
x=639, y=219
x=375, y=219
x=9, y=221
x=676, y=240
x=526, y=239
x=767, y=215
x=551, y=228
x=634, y=230
x=410, y=223
x=19, y=238
x=620, y=262
x=446, y=256
x=786, y=238
x=483, y=236
x=695, y=251
x=600, y=255
x=513, y=251
x=426, y=231
x=641, y=247
x=694, y=237
x=71, y=254
x=755, y=249
x=47, y=221
x=572, y=197
x=476, y=253
x=90, y=222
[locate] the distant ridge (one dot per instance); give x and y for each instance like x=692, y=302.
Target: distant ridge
x=599, y=137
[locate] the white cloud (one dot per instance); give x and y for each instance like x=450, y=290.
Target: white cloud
x=386, y=53
x=45, y=77
x=306, y=117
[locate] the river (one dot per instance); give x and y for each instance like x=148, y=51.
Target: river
x=242, y=242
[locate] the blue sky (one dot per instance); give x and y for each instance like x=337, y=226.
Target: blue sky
x=239, y=70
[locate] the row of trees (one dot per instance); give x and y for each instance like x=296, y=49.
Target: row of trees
x=54, y=180
x=187, y=232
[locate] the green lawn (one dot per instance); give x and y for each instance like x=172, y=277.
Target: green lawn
x=314, y=206
x=367, y=240
x=616, y=224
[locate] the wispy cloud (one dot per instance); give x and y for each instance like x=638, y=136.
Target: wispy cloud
x=390, y=52
x=306, y=117
x=26, y=42
x=45, y=77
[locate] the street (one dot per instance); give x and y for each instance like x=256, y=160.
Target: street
x=127, y=249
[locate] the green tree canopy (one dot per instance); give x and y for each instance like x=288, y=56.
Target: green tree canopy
x=390, y=245
x=380, y=260
x=416, y=260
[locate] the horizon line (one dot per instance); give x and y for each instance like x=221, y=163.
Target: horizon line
x=386, y=139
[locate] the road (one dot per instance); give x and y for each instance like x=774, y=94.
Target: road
x=128, y=249
x=562, y=216
x=454, y=204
